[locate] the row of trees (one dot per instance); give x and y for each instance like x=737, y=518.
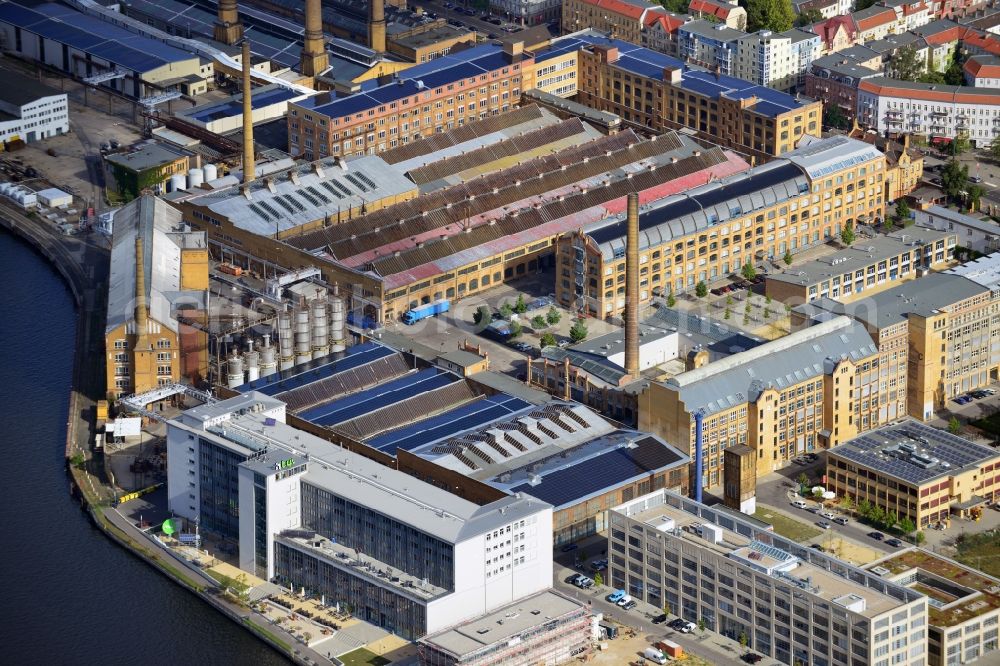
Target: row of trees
x=888, y=521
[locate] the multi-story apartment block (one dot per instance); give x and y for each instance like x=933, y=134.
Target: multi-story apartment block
x=868, y=267
x=915, y=471
x=528, y=12
x=875, y=22
x=963, y=604
x=836, y=33
x=661, y=34
x=834, y=79
x=910, y=14
x=657, y=91
x=406, y=555
x=429, y=98
x=157, y=300
x=709, y=44
x=826, y=8
x=710, y=231
x=937, y=112
x=728, y=12
x=791, y=602
x=31, y=111
x=622, y=19
x=950, y=320
x=807, y=391
x=777, y=60
x=982, y=71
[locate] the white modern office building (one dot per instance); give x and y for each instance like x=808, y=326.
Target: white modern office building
x=792, y=602
x=404, y=554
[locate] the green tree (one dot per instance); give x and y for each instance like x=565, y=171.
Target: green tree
x=953, y=75
x=743, y=635
x=666, y=608
x=906, y=525
x=907, y=64
x=671, y=301
x=748, y=271
x=808, y=17
x=954, y=179
x=676, y=6
x=553, y=316
x=482, y=315
x=954, y=426
x=515, y=329
x=788, y=257
x=506, y=310
x=863, y=4
x=847, y=236
x=846, y=504
x=701, y=289
x=902, y=210
x=865, y=508
x=767, y=300
x=960, y=145
x=975, y=194
x=702, y=625
x=729, y=299
x=598, y=579
x=834, y=117
x=548, y=340
x=578, y=332
x=538, y=321
x=773, y=15
x=919, y=538
x=803, y=479
x=767, y=313
x=746, y=319
x=727, y=314
x=520, y=307
x=995, y=148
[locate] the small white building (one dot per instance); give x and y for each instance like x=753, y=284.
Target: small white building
x=971, y=232
x=55, y=198
x=30, y=110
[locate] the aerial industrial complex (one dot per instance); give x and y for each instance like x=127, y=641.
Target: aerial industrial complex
x=531, y=332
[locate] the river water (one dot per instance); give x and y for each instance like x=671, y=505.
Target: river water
x=68, y=595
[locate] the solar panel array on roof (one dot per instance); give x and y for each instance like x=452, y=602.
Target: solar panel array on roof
x=91, y=35
x=450, y=423
x=913, y=452
x=597, y=474
x=303, y=374
x=377, y=397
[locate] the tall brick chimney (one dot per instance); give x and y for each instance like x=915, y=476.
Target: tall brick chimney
x=228, y=28
x=249, y=157
x=632, y=288
x=376, y=25
x=314, y=58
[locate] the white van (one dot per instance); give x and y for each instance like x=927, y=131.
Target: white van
x=654, y=655
x=799, y=504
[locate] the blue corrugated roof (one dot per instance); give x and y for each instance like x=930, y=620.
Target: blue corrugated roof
x=300, y=375
x=91, y=35
x=434, y=74
x=377, y=397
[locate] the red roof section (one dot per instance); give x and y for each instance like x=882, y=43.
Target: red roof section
x=669, y=21
x=987, y=44
x=713, y=7
x=875, y=20
x=617, y=7
x=980, y=69
x=926, y=94
x=828, y=29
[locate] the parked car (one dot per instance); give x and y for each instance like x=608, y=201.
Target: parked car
x=751, y=657
x=829, y=515
x=822, y=524
x=878, y=536
x=841, y=520
x=616, y=596
x=683, y=626
x=660, y=619
x=962, y=399
x=629, y=605
x=569, y=547
x=598, y=565
x=816, y=546
x=799, y=504
x=624, y=600
x=979, y=394
x=895, y=543
x=975, y=179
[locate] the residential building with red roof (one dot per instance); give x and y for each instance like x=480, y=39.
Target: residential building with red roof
x=622, y=19
x=660, y=33
x=729, y=13
x=836, y=33
x=937, y=112
x=874, y=23
x=982, y=71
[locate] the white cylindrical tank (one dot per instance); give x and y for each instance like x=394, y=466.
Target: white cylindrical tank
x=234, y=371
x=303, y=338
x=252, y=360
x=268, y=364
x=178, y=182
x=320, y=328
x=196, y=178
x=211, y=172
x=337, y=322
x=286, y=353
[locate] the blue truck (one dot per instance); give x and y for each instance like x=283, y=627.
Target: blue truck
x=424, y=311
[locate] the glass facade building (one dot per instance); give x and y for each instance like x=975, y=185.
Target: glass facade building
x=218, y=469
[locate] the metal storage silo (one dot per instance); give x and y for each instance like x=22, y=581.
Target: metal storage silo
x=268, y=364
x=196, y=177
x=337, y=322
x=320, y=328
x=252, y=360
x=286, y=352
x=211, y=172
x=234, y=371
x=303, y=338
